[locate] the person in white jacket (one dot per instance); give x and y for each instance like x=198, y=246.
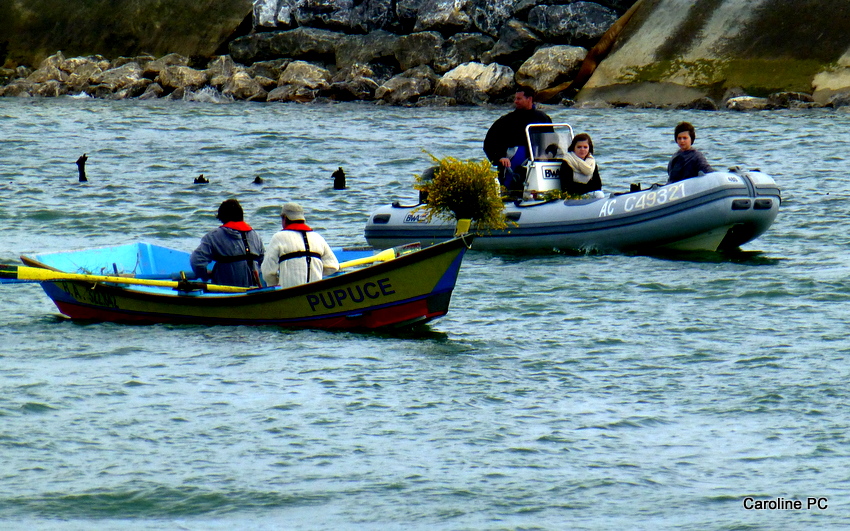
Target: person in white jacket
x=297, y=255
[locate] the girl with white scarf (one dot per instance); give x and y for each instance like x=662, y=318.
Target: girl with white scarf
x=579, y=172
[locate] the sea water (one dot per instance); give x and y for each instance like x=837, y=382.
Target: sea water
x=561, y=391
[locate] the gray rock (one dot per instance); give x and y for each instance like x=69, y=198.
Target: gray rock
x=488, y=16
x=184, y=77
x=373, y=15
x=251, y=48
x=269, y=69
x=580, y=23
x=153, y=68
x=153, y=92
x=475, y=83
x=265, y=13
x=79, y=80
x=416, y=49
x=325, y=14
x=356, y=82
x=292, y=93
x=241, y=86
x=307, y=44
x=842, y=99
x=516, y=42
x=131, y=90
x=304, y=74
x=20, y=88
x=436, y=101
x=48, y=72
x=700, y=104
x=377, y=46
x=747, y=103
x=406, y=13
x=49, y=89
x=408, y=87
x=788, y=100
x=462, y=48
x=550, y=66
x=220, y=71
x=6, y=75
x=116, y=79
x=445, y=16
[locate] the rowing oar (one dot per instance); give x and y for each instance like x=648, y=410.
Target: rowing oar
x=37, y=274
x=383, y=256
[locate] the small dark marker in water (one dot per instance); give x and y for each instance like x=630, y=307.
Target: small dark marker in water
x=339, y=179
x=81, y=167
x=200, y=179
x=258, y=180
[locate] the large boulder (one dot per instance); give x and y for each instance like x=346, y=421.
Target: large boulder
x=422, y=48
x=375, y=47
x=356, y=82
x=116, y=79
x=832, y=81
x=579, y=23
x=408, y=87
x=182, y=77
x=444, y=16
x=517, y=40
x=488, y=16
x=308, y=44
x=153, y=68
x=672, y=53
x=462, y=48
x=304, y=74
x=550, y=66
x=475, y=83
x=34, y=28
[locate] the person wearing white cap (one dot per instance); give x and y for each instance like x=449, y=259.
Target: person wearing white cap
x=297, y=255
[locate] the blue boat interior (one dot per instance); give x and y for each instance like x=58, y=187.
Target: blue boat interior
x=144, y=260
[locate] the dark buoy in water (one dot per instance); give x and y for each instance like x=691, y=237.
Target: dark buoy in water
x=258, y=180
x=81, y=167
x=339, y=179
x=200, y=179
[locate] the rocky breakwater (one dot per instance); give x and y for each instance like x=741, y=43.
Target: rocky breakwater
x=738, y=54
x=403, y=52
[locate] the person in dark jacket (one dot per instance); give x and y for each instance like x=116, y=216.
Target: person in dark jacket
x=505, y=143
x=579, y=172
x=687, y=162
x=234, y=247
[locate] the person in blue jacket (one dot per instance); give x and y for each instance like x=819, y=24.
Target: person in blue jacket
x=687, y=162
x=235, y=247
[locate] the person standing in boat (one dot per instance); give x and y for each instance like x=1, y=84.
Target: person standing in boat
x=579, y=172
x=234, y=247
x=687, y=162
x=505, y=143
x=297, y=255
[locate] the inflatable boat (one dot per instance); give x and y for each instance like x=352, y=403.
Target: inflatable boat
x=721, y=210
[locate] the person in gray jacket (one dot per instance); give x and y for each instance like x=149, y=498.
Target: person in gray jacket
x=235, y=247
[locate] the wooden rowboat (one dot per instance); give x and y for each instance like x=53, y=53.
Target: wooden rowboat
x=125, y=284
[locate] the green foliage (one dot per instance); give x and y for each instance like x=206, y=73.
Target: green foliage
x=463, y=190
x=552, y=195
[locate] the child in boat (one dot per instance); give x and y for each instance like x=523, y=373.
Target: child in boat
x=687, y=162
x=579, y=172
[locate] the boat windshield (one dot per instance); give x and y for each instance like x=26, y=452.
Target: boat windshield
x=548, y=141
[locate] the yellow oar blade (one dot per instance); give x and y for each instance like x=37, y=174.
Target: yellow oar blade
x=37, y=274
x=383, y=256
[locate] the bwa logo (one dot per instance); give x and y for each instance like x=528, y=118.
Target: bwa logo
x=415, y=218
